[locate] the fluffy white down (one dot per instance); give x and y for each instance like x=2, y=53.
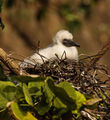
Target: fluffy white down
x=56, y=48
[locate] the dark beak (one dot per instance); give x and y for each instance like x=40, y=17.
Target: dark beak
x=70, y=43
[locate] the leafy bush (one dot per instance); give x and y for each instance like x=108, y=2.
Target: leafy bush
x=27, y=98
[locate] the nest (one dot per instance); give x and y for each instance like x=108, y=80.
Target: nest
x=84, y=78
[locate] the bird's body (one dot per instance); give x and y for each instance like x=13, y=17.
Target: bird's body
x=63, y=46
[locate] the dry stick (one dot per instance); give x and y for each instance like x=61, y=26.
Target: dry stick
x=99, y=55
x=11, y=64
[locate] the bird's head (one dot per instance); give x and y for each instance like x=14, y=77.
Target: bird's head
x=65, y=38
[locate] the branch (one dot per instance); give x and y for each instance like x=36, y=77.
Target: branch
x=99, y=55
x=10, y=63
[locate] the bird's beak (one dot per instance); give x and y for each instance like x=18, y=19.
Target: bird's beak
x=70, y=43
x=75, y=44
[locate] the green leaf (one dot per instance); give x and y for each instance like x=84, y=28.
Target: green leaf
x=27, y=95
x=49, y=85
x=59, y=104
x=72, y=93
x=80, y=99
x=43, y=107
x=7, y=93
x=62, y=99
x=3, y=101
x=29, y=116
x=69, y=89
x=19, y=92
x=45, y=102
x=35, y=88
x=20, y=114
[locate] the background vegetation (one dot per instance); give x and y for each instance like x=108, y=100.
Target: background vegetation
x=30, y=21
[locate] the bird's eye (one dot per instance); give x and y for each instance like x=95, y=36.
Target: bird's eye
x=66, y=42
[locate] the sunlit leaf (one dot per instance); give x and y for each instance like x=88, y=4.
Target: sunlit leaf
x=75, y=95
x=18, y=113
x=48, y=87
x=62, y=99
x=35, y=88
x=71, y=94
x=7, y=93
x=68, y=88
x=58, y=104
x=80, y=100
x=45, y=103
x=29, y=116
x=27, y=95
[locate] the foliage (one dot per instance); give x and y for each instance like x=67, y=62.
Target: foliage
x=19, y=114
x=38, y=96
x=7, y=93
x=34, y=98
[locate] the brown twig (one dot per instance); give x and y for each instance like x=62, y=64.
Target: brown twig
x=95, y=59
x=10, y=63
x=13, y=66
